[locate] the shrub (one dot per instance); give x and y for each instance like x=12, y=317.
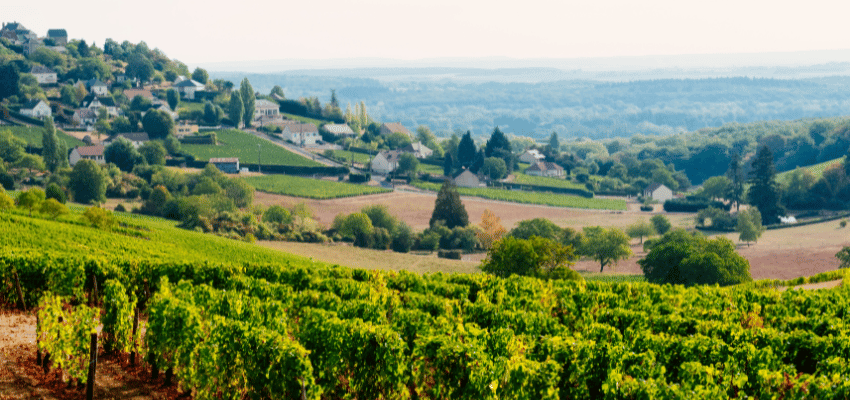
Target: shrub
x=429, y=241
x=380, y=238
x=688, y=259
x=53, y=191
x=843, y=223
x=693, y=204
x=450, y=254
x=402, y=238
x=646, y=208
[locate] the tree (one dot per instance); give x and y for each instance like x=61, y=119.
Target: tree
x=500, y=146
x=640, y=229
x=448, y=207
x=466, y=151
x=88, y=182
x=53, y=191
x=536, y=257
x=172, y=145
x=173, y=98
x=448, y=165
x=235, y=109
x=798, y=192
x=749, y=225
x=491, y=229
x=9, y=80
x=99, y=218
x=246, y=92
x=83, y=49
x=122, y=153
x=140, y=67
x=605, y=245
x=50, y=150
x=359, y=227
x=212, y=113
x=735, y=173
x=200, y=75
x=541, y=227
x=660, y=223
x=11, y=147
x=402, y=238
x=494, y=168
x=53, y=208
x=843, y=255
x=277, y=215
x=397, y=140
x=158, y=124
x=764, y=192
x=716, y=187
x=690, y=259
x=380, y=216
x=407, y=165
x=555, y=144
x=31, y=199
x=155, y=204
x=277, y=90
x=153, y=152
x=31, y=162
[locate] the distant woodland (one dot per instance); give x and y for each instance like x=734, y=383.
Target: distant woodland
x=575, y=108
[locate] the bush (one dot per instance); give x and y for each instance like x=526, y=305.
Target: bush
x=380, y=238
x=429, y=241
x=450, y=254
x=843, y=223
x=402, y=238
x=689, y=259
x=53, y=191
x=646, y=208
x=359, y=178
x=120, y=208
x=693, y=205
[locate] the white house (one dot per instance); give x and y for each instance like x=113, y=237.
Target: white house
x=658, y=191
x=44, y=75
x=545, y=168
x=188, y=87
x=136, y=138
x=84, y=116
x=265, y=108
x=97, y=87
x=300, y=133
x=467, y=179
x=418, y=150
x=94, y=153
x=92, y=101
x=531, y=156
x=386, y=162
x=339, y=130
x=36, y=109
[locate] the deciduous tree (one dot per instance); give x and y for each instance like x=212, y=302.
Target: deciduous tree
x=87, y=182
x=122, y=153
x=536, y=256
x=640, y=229
x=200, y=75
x=246, y=92
x=749, y=225
x=690, y=259
x=31, y=199
x=153, y=152
x=158, y=124
x=605, y=245
x=660, y=223
x=491, y=229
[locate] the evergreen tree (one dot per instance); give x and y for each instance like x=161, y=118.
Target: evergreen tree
x=448, y=165
x=449, y=208
x=736, y=177
x=173, y=98
x=248, y=99
x=500, y=146
x=235, y=109
x=466, y=151
x=479, y=162
x=554, y=143
x=50, y=149
x=764, y=192
x=334, y=100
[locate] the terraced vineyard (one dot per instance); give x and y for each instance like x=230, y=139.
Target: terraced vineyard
x=310, y=188
x=32, y=135
x=549, y=199
x=234, y=143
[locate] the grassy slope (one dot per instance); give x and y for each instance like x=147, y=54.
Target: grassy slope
x=310, y=188
x=234, y=143
x=160, y=240
x=32, y=135
x=816, y=169
x=547, y=181
x=550, y=199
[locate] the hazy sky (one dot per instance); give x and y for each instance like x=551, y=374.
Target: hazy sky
x=197, y=32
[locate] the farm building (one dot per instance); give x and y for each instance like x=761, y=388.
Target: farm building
x=94, y=153
x=658, y=191
x=229, y=165
x=339, y=130
x=531, y=156
x=545, y=168
x=418, y=150
x=386, y=162
x=467, y=179
x=300, y=133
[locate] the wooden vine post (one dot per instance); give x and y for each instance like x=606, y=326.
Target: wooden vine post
x=20, y=292
x=92, y=367
x=135, y=329
x=37, y=349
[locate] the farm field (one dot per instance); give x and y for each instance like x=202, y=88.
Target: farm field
x=547, y=181
x=816, y=170
x=550, y=199
x=234, y=143
x=310, y=188
x=347, y=155
x=32, y=136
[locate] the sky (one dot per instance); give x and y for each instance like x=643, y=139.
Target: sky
x=197, y=32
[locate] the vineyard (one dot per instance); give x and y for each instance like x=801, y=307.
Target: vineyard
x=234, y=143
x=310, y=188
x=32, y=136
x=289, y=332
x=816, y=170
x=549, y=199
x=547, y=182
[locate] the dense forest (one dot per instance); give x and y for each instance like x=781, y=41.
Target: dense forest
x=573, y=108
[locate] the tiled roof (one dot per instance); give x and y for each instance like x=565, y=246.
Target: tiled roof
x=57, y=33
x=339, y=129
x=40, y=69
x=224, y=160
x=30, y=104
x=544, y=166
x=653, y=186
x=90, y=150
x=301, y=128
x=135, y=136
x=263, y=103
x=396, y=127
x=189, y=83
